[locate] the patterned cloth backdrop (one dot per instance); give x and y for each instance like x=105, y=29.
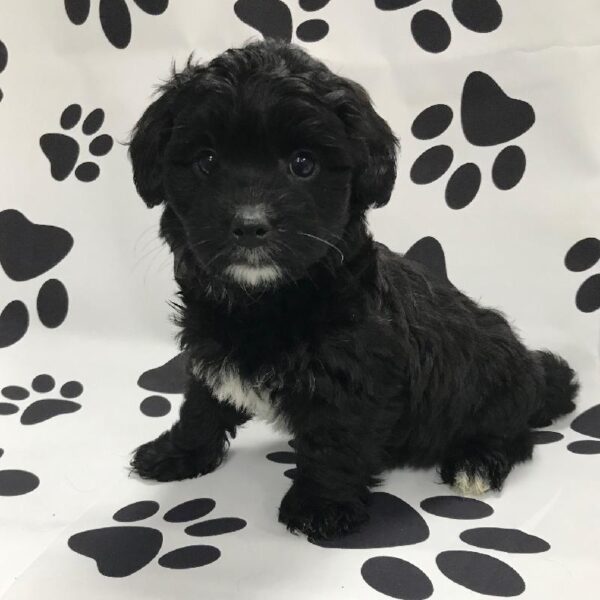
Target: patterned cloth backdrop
x=496, y=106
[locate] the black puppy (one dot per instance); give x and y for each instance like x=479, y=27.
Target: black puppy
x=266, y=162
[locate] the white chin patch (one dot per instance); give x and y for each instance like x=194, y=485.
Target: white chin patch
x=470, y=486
x=249, y=275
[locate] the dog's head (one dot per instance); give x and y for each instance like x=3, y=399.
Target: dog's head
x=262, y=157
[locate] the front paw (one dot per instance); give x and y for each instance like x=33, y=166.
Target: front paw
x=303, y=510
x=162, y=460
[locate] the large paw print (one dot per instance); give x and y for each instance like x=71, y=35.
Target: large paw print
x=273, y=19
x=582, y=256
x=476, y=571
x=120, y=551
x=115, y=18
x=3, y=61
x=431, y=31
x=45, y=408
x=489, y=117
x=28, y=250
x=393, y=523
x=63, y=150
x=166, y=379
x=16, y=482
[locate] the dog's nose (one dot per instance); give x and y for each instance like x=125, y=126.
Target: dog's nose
x=250, y=227
x=250, y=232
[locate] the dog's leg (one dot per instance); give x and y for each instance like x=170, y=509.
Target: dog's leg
x=482, y=463
x=335, y=461
x=196, y=444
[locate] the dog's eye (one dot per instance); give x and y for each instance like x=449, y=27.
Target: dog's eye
x=302, y=164
x=206, y=161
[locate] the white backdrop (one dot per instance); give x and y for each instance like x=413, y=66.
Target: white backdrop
x=85, y=301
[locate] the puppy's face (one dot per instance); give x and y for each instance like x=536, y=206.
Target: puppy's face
x=259, y=180
x=262, y=158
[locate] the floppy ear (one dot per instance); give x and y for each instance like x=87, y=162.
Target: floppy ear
x=146, y=147
x=375, y=172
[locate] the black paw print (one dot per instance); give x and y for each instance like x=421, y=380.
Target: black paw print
x=285, y=457
x=583, y=256
x=63, y=151
x=3, y=61
x=16, y=482
x=475, y=571
x=166, y=379
x=123, y=551
x=429, y=252
x=431, y=31
x=393, y=523
x=45, y=408
x=489, y=117
x=114, y=16
x=273, y=19
x=545, y=436
x=28, y=250
x=587, y=423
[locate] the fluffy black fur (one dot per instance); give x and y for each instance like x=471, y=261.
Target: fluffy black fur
x=367, y=360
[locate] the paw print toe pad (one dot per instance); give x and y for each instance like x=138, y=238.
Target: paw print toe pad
x=396, y=578
x=138, y=511
x=432, y=164
x=189, y=557
x=70, y=116
x=190, y=510
x=481, y=16
x=431, y=122
x=463, y=185
x=431, y=31
x=480, y=573
x=216, y=526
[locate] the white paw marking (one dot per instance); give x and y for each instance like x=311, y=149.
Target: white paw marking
x=470, y=486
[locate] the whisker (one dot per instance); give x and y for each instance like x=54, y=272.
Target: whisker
x=284, y=272
x=286, y=246
x=217, y=255
x=324, y=241
x=144, y=247
x=153, y=253
x=148, y=229
x=166, y=260
x=288, y=277
x=152, y=264
x=202, y=228
x=333, y=235
x=200, y=243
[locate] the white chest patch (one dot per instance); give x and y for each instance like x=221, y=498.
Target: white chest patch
x=228, y=386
